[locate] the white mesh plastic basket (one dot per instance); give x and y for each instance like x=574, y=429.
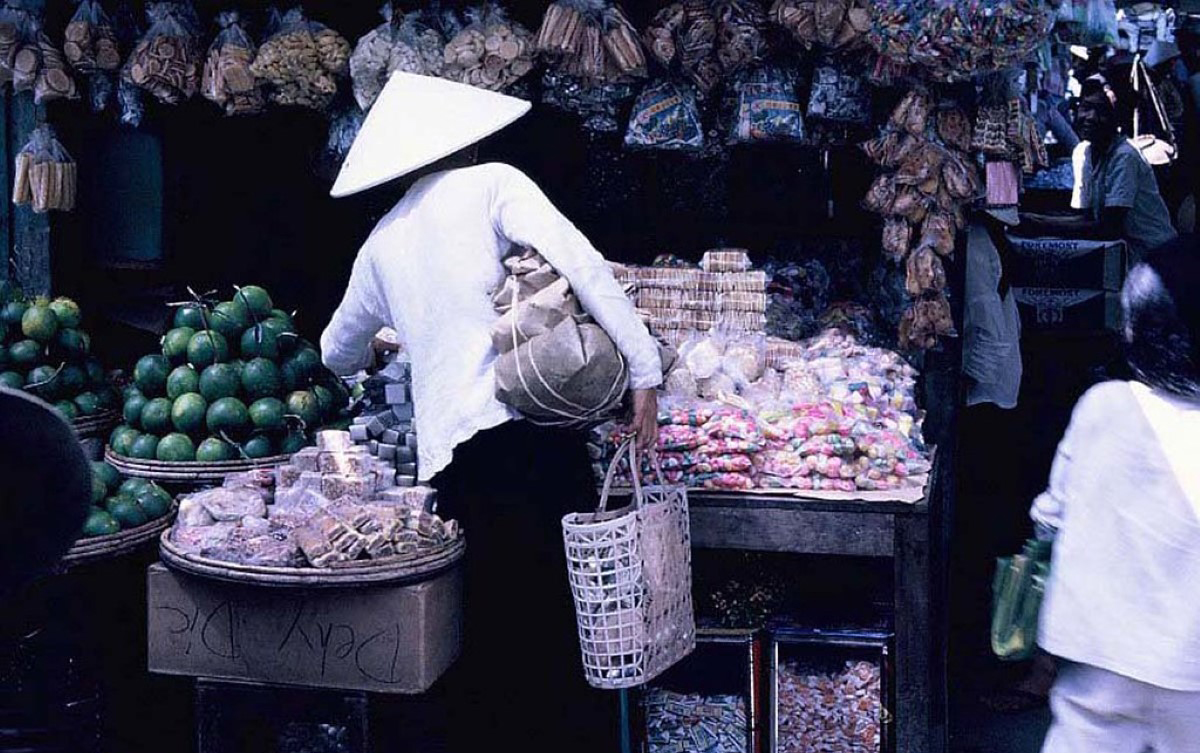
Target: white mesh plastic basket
x=631, y=578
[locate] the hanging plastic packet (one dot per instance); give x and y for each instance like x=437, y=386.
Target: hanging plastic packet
x=764, y=108
x=492, y=52
x=92, y=48
x=52, y=81
x=665, y=116
x=683, y=37
x=839, y=96
x=44, y=173
x=598, y=104
x=343, y=128
x=166, y=61
x=227, y=80
x=371, y=60
x=17, y=32
x=27, y=60
x=402, y=43
x=130, y=104
x=741, y=34
x=300, y=62
x=91, y=40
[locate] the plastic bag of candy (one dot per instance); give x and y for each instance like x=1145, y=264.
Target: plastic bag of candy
x=731, y=463
x=745, y=359
x=665, y=116
x=828, y=445
x=730, y=423
x=720, y=481
x=685, y=412
x=672, y=437
x=763, y=107
x=781, y=463
x=729, y=446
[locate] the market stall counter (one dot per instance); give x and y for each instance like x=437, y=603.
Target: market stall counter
x=862, y=524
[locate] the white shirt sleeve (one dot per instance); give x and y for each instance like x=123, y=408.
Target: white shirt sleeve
x=1081, y=166
x=346, y=341
x=522, y=214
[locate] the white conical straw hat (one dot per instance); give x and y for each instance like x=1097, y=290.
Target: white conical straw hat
x=417, y=121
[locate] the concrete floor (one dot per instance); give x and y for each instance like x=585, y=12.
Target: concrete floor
x=975, y=729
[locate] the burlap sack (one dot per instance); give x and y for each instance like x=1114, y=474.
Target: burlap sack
x=570, y=374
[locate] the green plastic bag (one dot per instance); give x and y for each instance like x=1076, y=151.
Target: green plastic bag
x=1017, y=591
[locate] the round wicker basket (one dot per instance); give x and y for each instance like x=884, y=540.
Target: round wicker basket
x=97, y=426
x=103, y=547
x=390, y=570
x=187, y=473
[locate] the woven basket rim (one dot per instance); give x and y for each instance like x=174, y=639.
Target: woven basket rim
x=358, y=573
x=102, y=547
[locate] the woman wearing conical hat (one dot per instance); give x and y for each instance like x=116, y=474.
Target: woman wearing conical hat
x=428, y=270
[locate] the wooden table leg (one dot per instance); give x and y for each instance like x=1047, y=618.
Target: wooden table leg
x=918, y=729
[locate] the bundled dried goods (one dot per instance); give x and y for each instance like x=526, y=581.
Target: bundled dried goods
x=403, y=42
x=592, y=40
x=300, y=62
x=492, y=52
x=955, y=41
x=836, y=24
x=166, y=61
x=90, y=41
x=227, y=79
x=44, y=174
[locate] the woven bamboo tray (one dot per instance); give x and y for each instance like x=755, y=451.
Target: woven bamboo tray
x=97, y=426
x=192, y=472
x=391, y=570
x=103, y=547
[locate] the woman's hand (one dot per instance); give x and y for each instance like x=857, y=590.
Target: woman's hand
x=645, y=418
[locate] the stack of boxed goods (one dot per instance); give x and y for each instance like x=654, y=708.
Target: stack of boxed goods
x=387, y=425
x=722, y=292
x=332, y=503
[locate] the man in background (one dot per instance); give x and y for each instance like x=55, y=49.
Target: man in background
x=1116, y=193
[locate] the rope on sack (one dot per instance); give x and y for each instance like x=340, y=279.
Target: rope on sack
x=576, y=414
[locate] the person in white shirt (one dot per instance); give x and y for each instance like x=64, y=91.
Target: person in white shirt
x=1123, y=510
x=429, y=270
x=1116, y=191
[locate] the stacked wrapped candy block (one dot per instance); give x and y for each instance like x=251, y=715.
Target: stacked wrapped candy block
x=675, y=301
x=387, y=425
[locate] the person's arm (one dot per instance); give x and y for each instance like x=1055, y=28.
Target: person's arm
x=346, y=341
x=525, y=216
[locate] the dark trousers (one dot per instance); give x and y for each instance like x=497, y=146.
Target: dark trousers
x=519, y=684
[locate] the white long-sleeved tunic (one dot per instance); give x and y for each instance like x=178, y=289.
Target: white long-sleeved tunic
x=1122, y=589
x=429, y=269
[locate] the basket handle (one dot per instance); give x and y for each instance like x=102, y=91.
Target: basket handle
x=628, y=448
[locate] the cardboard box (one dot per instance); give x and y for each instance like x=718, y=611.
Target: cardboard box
x=382, y=639
x=1067, y=309
x=1066, y=263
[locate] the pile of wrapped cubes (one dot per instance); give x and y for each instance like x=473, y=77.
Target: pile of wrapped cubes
x=387, y=424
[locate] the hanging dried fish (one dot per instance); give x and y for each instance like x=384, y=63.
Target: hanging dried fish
x=925, y=273
x=937, y=232
x=897, y=235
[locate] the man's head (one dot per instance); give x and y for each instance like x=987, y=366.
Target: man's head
x=1096, y=112
x=1162, y=319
